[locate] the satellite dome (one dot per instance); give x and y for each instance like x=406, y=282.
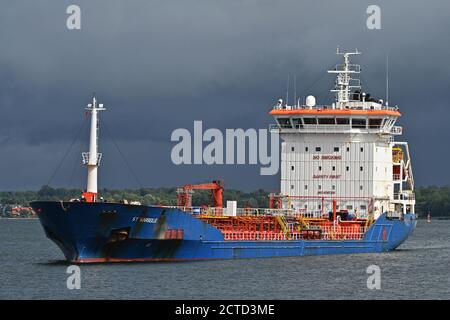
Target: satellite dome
x=310, y=101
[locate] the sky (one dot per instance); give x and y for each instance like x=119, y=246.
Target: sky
x=160, y=65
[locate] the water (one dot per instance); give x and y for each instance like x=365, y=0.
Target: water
x=31, y=267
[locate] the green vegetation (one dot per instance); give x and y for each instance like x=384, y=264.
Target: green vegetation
x=433, y=199
x=147, y=196
x=429, y=199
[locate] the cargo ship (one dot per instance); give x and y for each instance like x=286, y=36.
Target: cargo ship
x=346, y=187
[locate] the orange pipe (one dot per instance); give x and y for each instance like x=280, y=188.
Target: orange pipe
x=334, y=209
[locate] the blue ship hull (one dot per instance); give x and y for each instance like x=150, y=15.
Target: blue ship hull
x=112, y=232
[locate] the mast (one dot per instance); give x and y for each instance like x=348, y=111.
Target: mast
x=387, y=80
x=92, y=158
x=344, y=83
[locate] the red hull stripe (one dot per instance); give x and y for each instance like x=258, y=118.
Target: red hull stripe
x=101, y=260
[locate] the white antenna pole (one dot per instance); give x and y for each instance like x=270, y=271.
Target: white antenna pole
x=92, y=158
x=287, y=90
x=295, y=88
x=387, y=80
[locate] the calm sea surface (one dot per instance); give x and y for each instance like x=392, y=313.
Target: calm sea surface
x=31, y=267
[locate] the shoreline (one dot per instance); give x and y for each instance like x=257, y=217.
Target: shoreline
x=10, y=218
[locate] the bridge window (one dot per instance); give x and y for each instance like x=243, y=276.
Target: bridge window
x=336, y=149
x=284, y=122
x=347, y=168
x=318, y=149
x=375, y=123
x=292, y=148
x=297, y=123
x=358, y=123
x=360, y=168
x=327, y=121
x=309, y=120
x=292, y=168
x=320, y=168
x=334, y=168
x=306, y=187
x=306, y=149
x=342, y=121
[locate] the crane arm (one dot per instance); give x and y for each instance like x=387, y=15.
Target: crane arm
x=204, y=186
x=216, y=187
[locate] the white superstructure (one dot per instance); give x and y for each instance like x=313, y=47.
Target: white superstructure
x=344, y=152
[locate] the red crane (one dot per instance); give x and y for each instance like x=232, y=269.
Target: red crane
x=184, y=197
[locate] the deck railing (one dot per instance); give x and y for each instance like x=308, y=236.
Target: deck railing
x=334, y=128
x=337, y=232
x=327, y=107
x=404, y=196
x=254, y=236
x=212, y=211
x=326, y=233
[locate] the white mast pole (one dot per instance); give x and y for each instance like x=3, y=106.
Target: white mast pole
x=342, y=85
x=387, y=80
x=92, y=158
x=92, y=162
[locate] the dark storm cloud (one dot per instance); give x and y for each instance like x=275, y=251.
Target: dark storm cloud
x=159, y=65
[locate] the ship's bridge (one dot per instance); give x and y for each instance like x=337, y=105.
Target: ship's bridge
x=362, y=117
x=354, y=111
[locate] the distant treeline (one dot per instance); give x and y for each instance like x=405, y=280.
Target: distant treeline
x=428, y=199
x=147, y=196
x=435, y=200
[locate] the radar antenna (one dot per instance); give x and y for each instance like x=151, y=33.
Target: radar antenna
x=345, y=84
